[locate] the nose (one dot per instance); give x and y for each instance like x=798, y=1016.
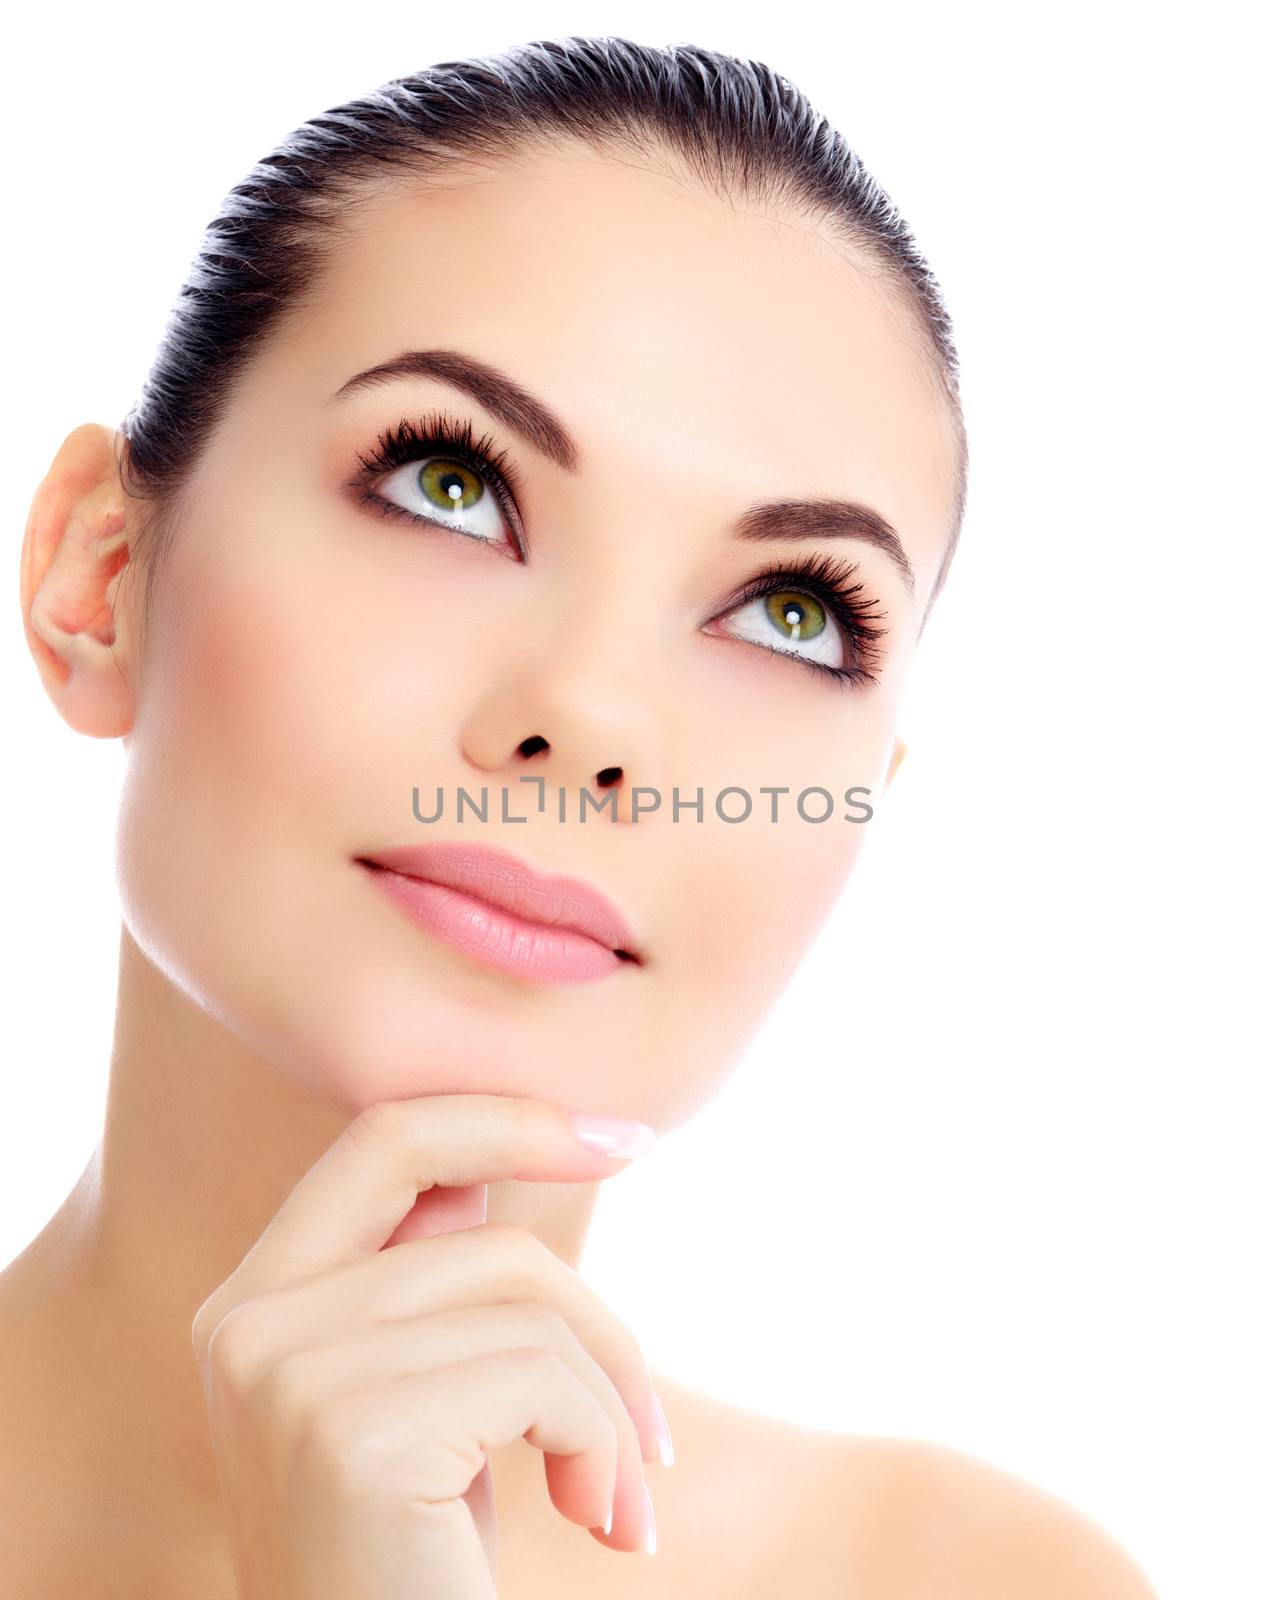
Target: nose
x=584, y=723
x=535, y=743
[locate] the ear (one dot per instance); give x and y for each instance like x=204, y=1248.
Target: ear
x=75, y=548
x=898, y=755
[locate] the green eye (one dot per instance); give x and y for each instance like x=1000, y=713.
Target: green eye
x=795, y=615
x=443, y=492
x=449, y=485
x=785, y=620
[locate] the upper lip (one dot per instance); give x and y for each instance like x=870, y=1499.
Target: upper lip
x=504, y=880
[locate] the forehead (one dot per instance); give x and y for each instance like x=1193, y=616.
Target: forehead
x=737, y=352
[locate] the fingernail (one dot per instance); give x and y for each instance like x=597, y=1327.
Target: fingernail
x=650, y=1524
x=665, y=1444
x=612, y=1136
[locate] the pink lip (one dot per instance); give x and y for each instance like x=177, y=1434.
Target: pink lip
x=493, y=907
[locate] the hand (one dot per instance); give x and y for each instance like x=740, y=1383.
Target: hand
x=359, y=1363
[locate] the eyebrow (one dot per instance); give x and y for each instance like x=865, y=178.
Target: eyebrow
x=524, y=414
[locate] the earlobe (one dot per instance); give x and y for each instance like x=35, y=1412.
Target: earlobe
x=74, y=552
x=898, y=755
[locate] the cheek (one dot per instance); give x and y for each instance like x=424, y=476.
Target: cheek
x=765, y=898
x=273, y=687
x=239, y=696
x=759, y=891
x=270, y=699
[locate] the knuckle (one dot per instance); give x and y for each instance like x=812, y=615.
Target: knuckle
x=291, y=1388
x=544, y=1323
x=375, y=1126
x=234, y=1346
x=535, y=1361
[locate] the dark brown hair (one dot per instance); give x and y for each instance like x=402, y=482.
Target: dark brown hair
x=737, y=126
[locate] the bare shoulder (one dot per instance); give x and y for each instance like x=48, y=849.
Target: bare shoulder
x=933, y=1520
x=795, y=1509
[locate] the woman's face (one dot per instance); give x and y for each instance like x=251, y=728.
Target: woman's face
x=312, y=659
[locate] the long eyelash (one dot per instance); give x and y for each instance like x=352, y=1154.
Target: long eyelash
x=826, y=578
x=829, y=579
x=435, y=434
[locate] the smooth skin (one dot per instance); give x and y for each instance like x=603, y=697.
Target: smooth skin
x=354, y=1396
x=306, y=663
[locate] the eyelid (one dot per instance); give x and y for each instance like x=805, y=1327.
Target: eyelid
x=826, y=578
x=829, y=580
x=438, y=433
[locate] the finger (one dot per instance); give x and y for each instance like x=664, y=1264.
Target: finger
x=442, y=1210
x=310, y=1376
x=481, y=1501
x=487, y=1266
x=438, y=1427
x=365, y=1183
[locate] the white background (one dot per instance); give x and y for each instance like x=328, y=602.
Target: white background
x=998, y=1172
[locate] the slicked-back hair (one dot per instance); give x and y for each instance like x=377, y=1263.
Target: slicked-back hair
x=737, y=126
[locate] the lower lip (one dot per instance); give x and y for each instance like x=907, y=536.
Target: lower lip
x=497, y=938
